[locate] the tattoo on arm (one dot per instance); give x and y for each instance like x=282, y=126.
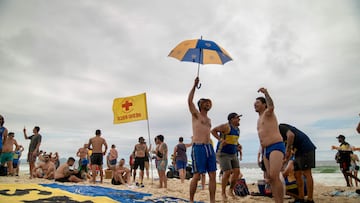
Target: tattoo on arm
x=269, y=101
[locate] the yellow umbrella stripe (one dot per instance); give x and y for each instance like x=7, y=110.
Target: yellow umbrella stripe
x=225, y=52
x=180, y=50
x=211, y=57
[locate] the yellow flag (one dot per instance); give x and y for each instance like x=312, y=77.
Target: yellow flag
x=129, y=109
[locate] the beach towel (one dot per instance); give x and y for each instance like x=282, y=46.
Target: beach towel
x=34, y=193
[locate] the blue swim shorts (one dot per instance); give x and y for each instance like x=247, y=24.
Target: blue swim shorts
x=203, y=158
x=279, y=146
x=180, y=164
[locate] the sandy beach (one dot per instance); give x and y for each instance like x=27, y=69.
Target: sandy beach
x=322, y=193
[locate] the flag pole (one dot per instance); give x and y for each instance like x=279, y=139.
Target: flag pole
x=150, y=161
x=148, y=128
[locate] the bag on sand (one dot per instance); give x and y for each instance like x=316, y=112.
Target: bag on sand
x=3, y=170
x=240, y=188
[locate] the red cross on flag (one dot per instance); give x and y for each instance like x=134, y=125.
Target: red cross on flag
x=129, y=109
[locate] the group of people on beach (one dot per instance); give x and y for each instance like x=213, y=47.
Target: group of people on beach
x=279, y=144
x=283, y=149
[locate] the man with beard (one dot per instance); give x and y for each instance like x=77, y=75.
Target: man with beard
x=203, y=155
x=45, y=169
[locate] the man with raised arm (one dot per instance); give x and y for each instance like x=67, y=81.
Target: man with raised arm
x=271, y=143
x=34, y=147
x=203, y=155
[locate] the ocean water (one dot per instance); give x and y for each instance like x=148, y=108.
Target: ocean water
x=326, y=172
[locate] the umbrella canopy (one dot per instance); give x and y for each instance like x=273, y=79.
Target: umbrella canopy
x=200, y=51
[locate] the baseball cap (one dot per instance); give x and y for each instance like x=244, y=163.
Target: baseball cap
x=340, y=137
x=233, y=115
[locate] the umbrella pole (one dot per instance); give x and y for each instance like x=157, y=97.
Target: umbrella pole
x=200, y=55
x=199, y=85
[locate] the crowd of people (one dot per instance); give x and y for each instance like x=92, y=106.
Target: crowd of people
x=285, y=153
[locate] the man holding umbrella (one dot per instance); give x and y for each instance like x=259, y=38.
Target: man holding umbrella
x=203, y=155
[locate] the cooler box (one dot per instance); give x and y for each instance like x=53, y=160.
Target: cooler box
x=108, y=174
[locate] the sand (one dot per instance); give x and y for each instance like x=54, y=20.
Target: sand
x=177, y=189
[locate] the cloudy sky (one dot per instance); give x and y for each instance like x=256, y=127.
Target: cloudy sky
x=63, y=62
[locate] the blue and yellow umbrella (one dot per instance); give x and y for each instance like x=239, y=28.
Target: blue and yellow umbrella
x=200, y=51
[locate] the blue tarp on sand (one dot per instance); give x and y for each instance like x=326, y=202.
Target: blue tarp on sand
x=123, y=196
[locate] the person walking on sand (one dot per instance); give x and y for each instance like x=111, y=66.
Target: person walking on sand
x=181, y=158
x=34, y=146
x=271, y=142
x=139, y=153
x=203, y=155
x=96, y=144
x=228, y=136
x=162, y=160
x=343, y=157
x=3, y=132
x=304, y=161
x=7, y=153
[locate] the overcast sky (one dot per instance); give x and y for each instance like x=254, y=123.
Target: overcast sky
x=63, y=62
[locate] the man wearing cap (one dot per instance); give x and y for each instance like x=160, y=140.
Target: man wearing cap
x=304, y=161
x=140, y=151
x=228, y=135
x=271, y=143
x=203, y=155
x=343, y=157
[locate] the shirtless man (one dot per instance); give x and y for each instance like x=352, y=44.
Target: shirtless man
x=121, y=174
x=96, y=144
x=203, y=155
x=64, y=174
x=139, y=153
x=83, y=154
x=3, y=132
x=7, y=152
x=113, y=155
x=45, y=169
x=271, y=143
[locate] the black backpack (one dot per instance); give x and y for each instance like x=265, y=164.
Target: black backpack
x=3, y=170
x=240, y=188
